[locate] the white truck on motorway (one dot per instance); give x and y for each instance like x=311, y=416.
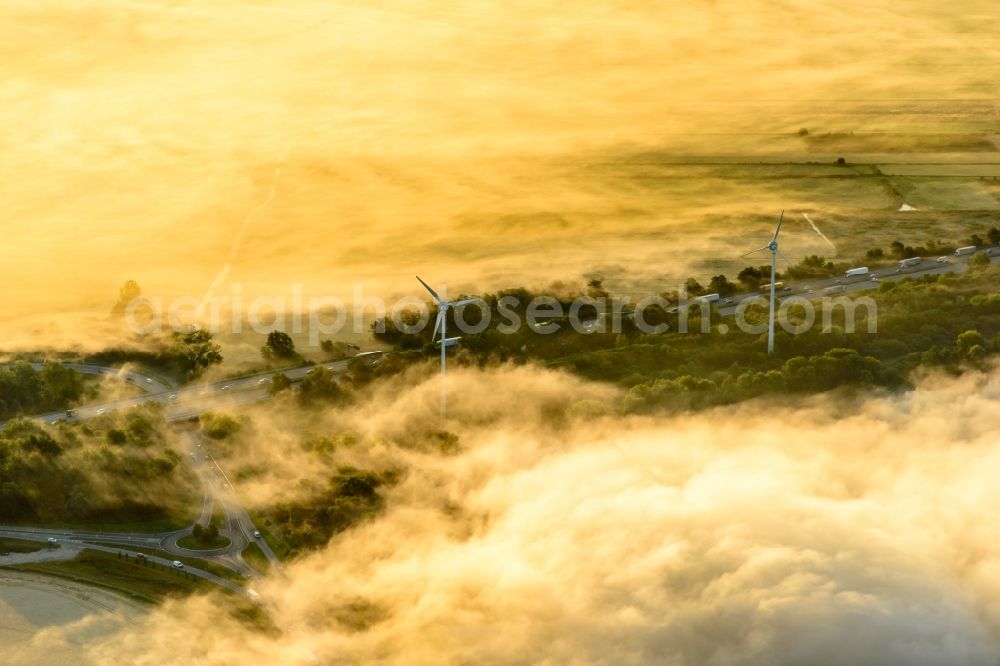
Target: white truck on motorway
x=968, y=249
x=856, y=272
x=912, y=261
x=709, y=298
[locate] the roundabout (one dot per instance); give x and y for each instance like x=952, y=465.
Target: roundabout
x=184, y=543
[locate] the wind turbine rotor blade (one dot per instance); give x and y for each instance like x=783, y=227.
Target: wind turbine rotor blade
x=766, y=247
x=777, y=229
x=788, y=263
x=437, y=323
x=427, y=287
x=464, y=301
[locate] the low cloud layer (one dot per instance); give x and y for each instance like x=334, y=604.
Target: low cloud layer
x=832, y=532
x=496, y=144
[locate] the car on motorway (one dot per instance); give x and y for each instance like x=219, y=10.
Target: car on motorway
x=173, y=396
x=225, y=388
x=942, y=260
x=874, y=279
x=100, y=411
x=727, y=301
x=148, y=380
x=256, y=534
x=178, y=564
x=264, y=380
x=52, y=541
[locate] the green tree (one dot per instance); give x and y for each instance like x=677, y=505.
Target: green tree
x=320, y=385
x=693, y=287
x=993, y=235
x=129, y=291
x=196, y=351
x=595, y=288
x=979, y=259
x=750, y=277
x=721, y=285
x=279, y=382
x=968, y=340
x=279, y=345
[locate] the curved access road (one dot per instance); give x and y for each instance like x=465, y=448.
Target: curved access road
x=147, y=382
x=194, y=399
x=76, y=544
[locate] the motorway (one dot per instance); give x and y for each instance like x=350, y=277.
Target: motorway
x=190, y=401
x=839, y=286
x=147, y=382
x=195, y=399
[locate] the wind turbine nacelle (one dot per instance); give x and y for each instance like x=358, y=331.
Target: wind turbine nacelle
x=450, y=342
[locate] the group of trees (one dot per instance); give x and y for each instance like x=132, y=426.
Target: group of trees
x=348, y=498
x=941, y=320
x=182, y=355
x=205, y=535
x=949, y=320
x=800, y=374
x=116, y=468
x=899, y=250
x=23, y=390
x=322, y=387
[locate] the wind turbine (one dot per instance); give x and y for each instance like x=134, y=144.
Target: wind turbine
x=442, y=322
x=773, y=247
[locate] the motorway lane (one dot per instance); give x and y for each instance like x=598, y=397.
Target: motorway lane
x=147, y=383
x=814, y=289
x=196, y=399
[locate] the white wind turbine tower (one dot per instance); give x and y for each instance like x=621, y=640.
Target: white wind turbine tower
x=442, y=322
x=773, y=247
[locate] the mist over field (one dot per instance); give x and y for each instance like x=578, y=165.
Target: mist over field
x=559, y=533
x=617, y=498
x=266, y=144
